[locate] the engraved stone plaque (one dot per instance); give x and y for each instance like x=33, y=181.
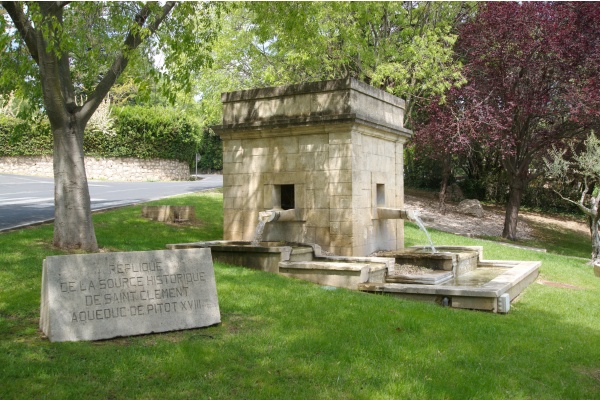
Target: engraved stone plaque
x=107, y=295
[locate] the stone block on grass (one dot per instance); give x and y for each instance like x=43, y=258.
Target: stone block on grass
x=169, y=213
x=107, y=295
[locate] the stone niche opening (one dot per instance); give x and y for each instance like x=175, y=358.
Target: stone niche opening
x=380, y=194
x=330, y=151
x=286, y=197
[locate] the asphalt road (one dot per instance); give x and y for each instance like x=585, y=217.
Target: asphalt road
x=26, y=200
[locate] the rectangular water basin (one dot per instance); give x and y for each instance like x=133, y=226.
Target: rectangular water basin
x=265, y=257
x=459, y=260
x=492, y=285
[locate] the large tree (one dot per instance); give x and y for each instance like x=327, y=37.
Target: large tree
x=70, y=51
x=533, y=80
x=448, y=131
x=403, y=47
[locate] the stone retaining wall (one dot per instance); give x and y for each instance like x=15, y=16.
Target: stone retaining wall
x=110, y=169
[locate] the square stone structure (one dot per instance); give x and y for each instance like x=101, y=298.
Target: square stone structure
x=330, y=151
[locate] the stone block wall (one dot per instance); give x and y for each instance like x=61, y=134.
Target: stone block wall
x=336, y=172
x=337, y=145
x=377, y=182
x=254, y=169
x=110, y=169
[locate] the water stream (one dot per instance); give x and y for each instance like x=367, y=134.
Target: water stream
x=258, y=232
x=419, y=222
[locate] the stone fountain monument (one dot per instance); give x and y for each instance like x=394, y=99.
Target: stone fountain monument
x=319, y=166
x=326, y=158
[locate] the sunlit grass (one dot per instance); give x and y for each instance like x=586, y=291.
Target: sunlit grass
x=285, y=338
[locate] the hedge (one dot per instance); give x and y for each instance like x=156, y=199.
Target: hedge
x=211, y=152
x=141, y=132
x=23, y=138
x=144, y=132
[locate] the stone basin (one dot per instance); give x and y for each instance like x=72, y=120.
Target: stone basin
x=458, y=260
x=298, y=260
x=475, y=283
x=458, y=277
x=265, y=257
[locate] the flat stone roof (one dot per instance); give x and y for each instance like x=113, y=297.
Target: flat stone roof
x=328, y=102
x=312, y=87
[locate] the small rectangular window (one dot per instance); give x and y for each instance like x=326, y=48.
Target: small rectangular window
x=380, y=192
x=288, y=197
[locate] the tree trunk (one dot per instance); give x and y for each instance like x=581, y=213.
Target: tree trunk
x=595, y=240
x=73, y=226
x=446, y=169
x=517, y=186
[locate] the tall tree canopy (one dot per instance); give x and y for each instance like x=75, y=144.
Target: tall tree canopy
x=533, y=80
x=70, y=51
x=403, y=47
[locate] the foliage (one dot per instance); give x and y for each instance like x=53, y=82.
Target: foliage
x=285, y=338
x=147, y=132
x=8, y=106
x=139, y=132
x=582, y=165
x=420, y=172
x=93, y=33
x=582, y=168
x=102, y=121
x=402, y=47
x=24, y=138
x=532, y=71
x=211, y=152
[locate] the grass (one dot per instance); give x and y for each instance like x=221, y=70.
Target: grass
x=285, y=338
x=560, y=241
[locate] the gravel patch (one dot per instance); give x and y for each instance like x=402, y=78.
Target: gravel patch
x=491, y=224
x=408, y=269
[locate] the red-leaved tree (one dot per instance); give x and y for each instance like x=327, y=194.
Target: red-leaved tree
x=533, y=80
x=452, y=130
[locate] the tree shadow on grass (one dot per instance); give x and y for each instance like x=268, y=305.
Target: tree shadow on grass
x=286, y=338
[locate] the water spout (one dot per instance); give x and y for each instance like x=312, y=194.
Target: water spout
x=413, y=215
x=270, y=216
x=395, y=213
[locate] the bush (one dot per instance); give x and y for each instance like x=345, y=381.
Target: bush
x=491, y=186
x=421, y=172
x=23, y=138
x=144, y=132
x=211, y=152
x=539, y=197
x=141, y=132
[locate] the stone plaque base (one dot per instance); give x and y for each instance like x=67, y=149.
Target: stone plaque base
x=107, y=295
x=169, y=213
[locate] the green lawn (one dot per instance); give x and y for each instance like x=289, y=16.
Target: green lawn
x=285, y=338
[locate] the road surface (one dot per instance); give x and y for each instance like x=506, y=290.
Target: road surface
x=26, y=200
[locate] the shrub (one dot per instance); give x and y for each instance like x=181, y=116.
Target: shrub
x=24, y=138
x=421, y=172
x=144, y=132
x=139, y=132
x=211, y=152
